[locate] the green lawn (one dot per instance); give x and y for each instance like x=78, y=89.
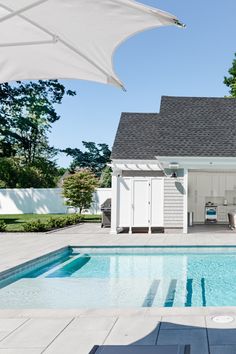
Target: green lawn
x=15, y=222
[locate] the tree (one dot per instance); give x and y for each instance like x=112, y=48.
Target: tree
x=78, y=189
x=105, y=179
x=230, y=81
x=43, y=174
x=27, y=112
x=95, y=157
x=14, y=175
x=9, y=172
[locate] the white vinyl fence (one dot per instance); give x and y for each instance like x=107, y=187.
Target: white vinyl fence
x=44, y=201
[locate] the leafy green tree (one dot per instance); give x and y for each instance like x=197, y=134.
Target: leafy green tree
x=105, y=179
x=78, y=189
x=27, y=112
x=43, y=174
x=95, y=157
x=230, y=81
x=9, y=171
x=15, y=175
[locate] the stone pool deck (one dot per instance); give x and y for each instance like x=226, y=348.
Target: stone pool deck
x=77, y=331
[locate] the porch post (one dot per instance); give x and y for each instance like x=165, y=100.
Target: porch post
x=185, y=208
x=114, y=201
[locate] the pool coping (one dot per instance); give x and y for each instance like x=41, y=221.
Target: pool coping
x=210, y=311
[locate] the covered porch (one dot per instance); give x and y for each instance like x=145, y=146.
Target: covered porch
x=210, y=185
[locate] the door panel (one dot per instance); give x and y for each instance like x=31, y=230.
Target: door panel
x=124, y=204
x=140, y=202
x=157, y=202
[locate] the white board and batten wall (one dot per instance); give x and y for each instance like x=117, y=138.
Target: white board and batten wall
x=44, y=201
x=140, y=202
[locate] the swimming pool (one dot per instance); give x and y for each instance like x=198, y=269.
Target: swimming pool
x=125, y=277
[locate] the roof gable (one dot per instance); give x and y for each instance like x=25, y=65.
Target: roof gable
x=186, y=126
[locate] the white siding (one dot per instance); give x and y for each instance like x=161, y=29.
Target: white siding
x=173, y=202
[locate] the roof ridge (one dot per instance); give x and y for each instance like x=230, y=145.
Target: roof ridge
x=140, y=113
x=199, y=97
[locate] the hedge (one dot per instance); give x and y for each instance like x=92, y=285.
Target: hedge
x=52, y=223
x=3, y=226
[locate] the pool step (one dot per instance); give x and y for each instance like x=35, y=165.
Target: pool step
x=189, y=293
x=170, y=297
x=151, y=294
x=173, y=288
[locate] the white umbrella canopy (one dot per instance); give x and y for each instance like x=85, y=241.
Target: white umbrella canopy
x=69, y=39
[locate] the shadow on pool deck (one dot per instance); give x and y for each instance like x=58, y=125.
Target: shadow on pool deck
x=171, y=338
x=211, y=229
x=154, y=331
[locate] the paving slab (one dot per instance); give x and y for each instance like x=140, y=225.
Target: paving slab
x=140, y=330
x=8, y=325
x=212, y=324
x=20, y=351
x=222, y=336
x=223, y=349
x=182, y=322
x=197, y=338
x=46, y=313
x=81, y=335
x=35, y=333
x=114, y=312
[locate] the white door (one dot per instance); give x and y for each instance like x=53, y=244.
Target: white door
x=140, y=202
x=157, y=202
x=124, y=201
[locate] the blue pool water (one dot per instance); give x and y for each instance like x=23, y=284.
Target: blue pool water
x=163, y=277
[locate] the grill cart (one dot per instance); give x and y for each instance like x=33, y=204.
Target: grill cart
x=232, y=220
x=106, y=213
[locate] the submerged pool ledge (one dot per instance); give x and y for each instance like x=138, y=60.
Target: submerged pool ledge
x=35, y=263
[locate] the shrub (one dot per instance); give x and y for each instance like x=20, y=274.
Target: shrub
x=55, y=222
x=35, y=226
x=62, y=221
x=73, y=219
x=3, y=226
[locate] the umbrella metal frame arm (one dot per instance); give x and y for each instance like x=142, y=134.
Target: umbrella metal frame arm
x=19, y=14
x=54, y=38
x=20, y=11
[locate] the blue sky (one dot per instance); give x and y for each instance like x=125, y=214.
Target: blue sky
x=164, y=61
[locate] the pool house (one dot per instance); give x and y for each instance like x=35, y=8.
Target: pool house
x=176, y=168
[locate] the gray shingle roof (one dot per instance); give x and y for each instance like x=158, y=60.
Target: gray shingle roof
x=185, y=126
